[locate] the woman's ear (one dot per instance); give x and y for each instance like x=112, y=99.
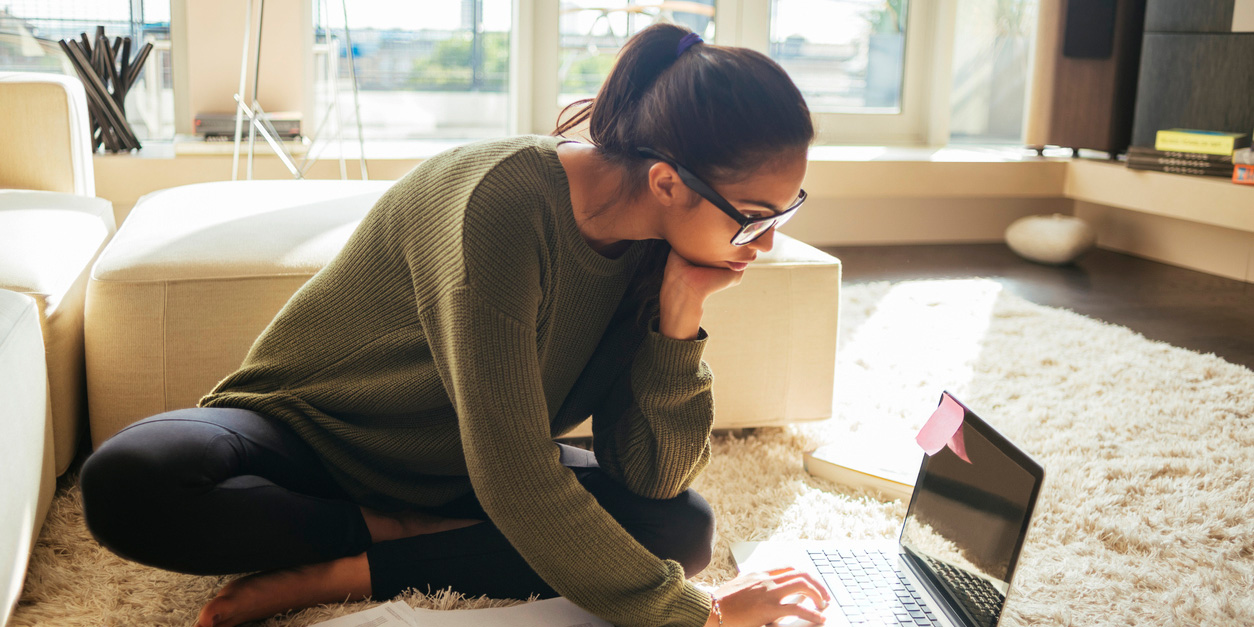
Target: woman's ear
x=665, y=185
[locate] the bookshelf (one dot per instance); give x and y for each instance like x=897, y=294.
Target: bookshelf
x=1204, y=200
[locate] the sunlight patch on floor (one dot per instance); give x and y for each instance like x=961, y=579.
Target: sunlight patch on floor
x=939, y=326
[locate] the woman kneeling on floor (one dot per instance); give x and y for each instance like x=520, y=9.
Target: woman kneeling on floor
x=394, y=426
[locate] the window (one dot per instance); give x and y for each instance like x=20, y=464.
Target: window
x=425, y=70
x=593, y=31
x=992, y=47
x=30, y=30
x=873, y=71
x=866, y=67
x=844, y=55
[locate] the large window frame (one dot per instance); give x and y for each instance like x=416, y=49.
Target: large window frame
x=922, y=120
x=534, y=61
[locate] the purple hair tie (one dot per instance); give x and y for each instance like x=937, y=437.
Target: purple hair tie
x=686, y=43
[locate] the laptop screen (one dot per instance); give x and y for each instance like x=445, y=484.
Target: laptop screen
x=967, y=521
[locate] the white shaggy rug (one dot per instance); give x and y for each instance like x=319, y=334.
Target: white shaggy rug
x=1146, y=517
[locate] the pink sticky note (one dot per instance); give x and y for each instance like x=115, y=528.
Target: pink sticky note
x=944, y=428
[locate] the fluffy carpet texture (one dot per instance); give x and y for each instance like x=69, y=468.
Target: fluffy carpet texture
x=1147, y=515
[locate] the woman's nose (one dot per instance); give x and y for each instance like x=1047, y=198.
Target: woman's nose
x=764, y=243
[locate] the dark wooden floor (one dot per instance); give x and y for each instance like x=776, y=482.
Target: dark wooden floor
x=1193, y=310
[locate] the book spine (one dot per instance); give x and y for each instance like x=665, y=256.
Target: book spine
x=1137, y=152
x=1195, y=142
x=1176, y=169
x=1191, y=163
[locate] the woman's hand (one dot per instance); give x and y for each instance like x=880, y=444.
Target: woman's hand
x=755, y=599
x=685, y=286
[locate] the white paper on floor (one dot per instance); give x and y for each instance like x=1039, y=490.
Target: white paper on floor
x=557, y=612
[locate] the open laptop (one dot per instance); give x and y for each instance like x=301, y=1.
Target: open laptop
x=954, y=560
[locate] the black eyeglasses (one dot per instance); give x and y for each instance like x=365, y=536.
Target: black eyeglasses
x=750, y=228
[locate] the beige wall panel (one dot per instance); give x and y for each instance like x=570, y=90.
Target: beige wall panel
x=932, y=179
x=215, y=31
x=1212, y=249
x=901, y=221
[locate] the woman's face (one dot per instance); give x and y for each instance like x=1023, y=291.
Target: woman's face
x=703, y=234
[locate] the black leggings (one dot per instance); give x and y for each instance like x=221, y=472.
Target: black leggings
x=213, y=491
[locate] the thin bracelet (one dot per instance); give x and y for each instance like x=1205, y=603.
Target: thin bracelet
x=718, y=611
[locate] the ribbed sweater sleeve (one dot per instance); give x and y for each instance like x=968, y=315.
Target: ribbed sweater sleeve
x=652, y=405
x=651, y=430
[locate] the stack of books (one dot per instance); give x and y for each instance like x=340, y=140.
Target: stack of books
x=1187, y=151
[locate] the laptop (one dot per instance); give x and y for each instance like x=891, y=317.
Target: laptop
x=956, y=555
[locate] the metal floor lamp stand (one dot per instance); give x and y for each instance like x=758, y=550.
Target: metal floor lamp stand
x=258, y=123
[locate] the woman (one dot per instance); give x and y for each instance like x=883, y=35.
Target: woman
x=393, y=426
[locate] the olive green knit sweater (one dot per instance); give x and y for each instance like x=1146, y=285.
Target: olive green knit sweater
x=464, y=325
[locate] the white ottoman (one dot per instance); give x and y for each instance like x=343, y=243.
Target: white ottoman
x=197, y=272
x=26, y=454
x=48, y=242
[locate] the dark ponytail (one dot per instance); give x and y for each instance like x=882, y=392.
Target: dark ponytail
x=721, y=111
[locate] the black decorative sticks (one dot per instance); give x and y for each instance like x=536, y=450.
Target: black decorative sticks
x=106, y=84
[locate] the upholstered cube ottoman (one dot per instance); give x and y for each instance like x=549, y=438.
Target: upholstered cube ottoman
x=772, y=345
x=196, y=273
x=48, y=242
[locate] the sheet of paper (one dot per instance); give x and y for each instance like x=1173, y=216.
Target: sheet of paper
x=556, y=612
x=547, y=613
x=394, y=614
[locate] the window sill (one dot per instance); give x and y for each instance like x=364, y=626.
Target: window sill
x=417, y=149
x=836, y=174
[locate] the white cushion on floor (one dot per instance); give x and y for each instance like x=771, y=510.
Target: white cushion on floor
x=1053, y=239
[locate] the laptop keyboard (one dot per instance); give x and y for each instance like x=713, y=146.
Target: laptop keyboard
x=981, y=599
x=869, y=589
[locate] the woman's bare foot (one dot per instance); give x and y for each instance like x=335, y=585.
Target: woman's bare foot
x=391, y=526
x=263, y=595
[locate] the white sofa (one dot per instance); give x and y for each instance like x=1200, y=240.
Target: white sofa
x=26, y=448
x=48, y=242
x=197, y=272
x=51, y=228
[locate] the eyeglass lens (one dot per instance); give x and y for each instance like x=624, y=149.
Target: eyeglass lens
x=754, y=230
